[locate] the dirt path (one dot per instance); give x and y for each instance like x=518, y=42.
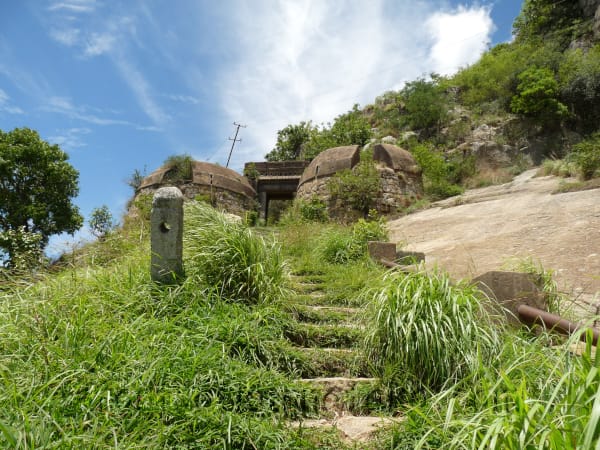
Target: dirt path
x=483, y=228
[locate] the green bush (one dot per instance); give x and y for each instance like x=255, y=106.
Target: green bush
x=537, y=96
x=357, y=187
x=586, y=155
x=428, y=332
x=313, y=210
x=229, y=257
x=342, y=245
x=180, y=168
x=439, y=176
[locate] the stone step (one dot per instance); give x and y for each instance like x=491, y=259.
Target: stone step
x=322, y=298
x=324, y=335
x=323, y=314
x=333, y=362
x=351, y=429
x=336, y=388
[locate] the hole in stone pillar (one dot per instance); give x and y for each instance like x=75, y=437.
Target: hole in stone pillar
x=165, y=227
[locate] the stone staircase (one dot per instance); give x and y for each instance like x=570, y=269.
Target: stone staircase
x=329, y=331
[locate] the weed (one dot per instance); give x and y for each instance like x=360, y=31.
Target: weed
x=230, y=257
x=430, y=331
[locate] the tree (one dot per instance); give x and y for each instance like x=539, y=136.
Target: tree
x=290, y=142
x=537, y=96
x=36, y=187
x=101, y=222
x=426, y=104
x=351, y=128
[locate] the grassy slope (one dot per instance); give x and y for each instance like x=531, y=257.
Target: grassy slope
x=98, y=356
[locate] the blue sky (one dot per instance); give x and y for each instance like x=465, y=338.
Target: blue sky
x=122, y=85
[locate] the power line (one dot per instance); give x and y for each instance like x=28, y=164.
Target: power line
x=234, y=140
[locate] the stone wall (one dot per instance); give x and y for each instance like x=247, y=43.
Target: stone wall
x=398, y=190
x=231, y=202
x=400, y=178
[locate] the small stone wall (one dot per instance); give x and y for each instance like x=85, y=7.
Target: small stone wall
x=221, y=199
x=398, y=190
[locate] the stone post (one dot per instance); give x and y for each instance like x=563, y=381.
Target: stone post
x=166, y=232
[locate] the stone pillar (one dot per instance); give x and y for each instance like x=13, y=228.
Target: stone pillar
x=263, y=201
x=166, y=232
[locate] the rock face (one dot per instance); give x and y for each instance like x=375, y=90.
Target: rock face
x=401, y=183
x=591, y=10
x=222, y=187
x=589, y=7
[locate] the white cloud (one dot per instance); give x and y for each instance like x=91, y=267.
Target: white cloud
x=459, y=37
x=68, y=37
x=99, y=43
x=182, y=98
x=71, y=138
x=142, y=90
x=6, y=106
x=74, y=6
x=63, y=105
x=312, y=60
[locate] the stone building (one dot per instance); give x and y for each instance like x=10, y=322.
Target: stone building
x=220, y=186
x=400, y=176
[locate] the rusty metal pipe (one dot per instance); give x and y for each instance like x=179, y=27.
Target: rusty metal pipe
x=533, y=316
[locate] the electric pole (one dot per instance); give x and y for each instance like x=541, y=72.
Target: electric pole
x=235, y=139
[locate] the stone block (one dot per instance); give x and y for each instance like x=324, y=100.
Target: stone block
x=382, y=250
x=166, y=235
x=511, y=289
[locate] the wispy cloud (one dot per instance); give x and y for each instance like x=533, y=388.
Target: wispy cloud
x=313, y=60
x=73, y=6
x=64, y=105
x=68, y=37
x=142, y=90
x=70, y=139
x=6, y=106
x=112, y=36
x=182, y=98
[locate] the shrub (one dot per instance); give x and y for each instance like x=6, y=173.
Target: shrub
x=426, y=330
x=537, y=96
x=586, y=155
x=101, y=222
x=180, y=168
x=313, y=210
x=229, y=257
x=357, y=187
x=439, y=177
x=341, y=245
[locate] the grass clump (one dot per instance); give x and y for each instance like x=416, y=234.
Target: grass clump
x=229, y=257
x=425, y=332
x=530, y=396
x=341, y=245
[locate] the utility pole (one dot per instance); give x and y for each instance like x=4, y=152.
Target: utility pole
x=235, y=139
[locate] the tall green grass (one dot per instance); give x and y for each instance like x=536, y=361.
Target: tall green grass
x=229, y=257
x=531, y=396
x=425, y=333
x=101, y=357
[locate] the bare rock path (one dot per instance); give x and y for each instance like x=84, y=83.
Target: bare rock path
x=483, y=228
